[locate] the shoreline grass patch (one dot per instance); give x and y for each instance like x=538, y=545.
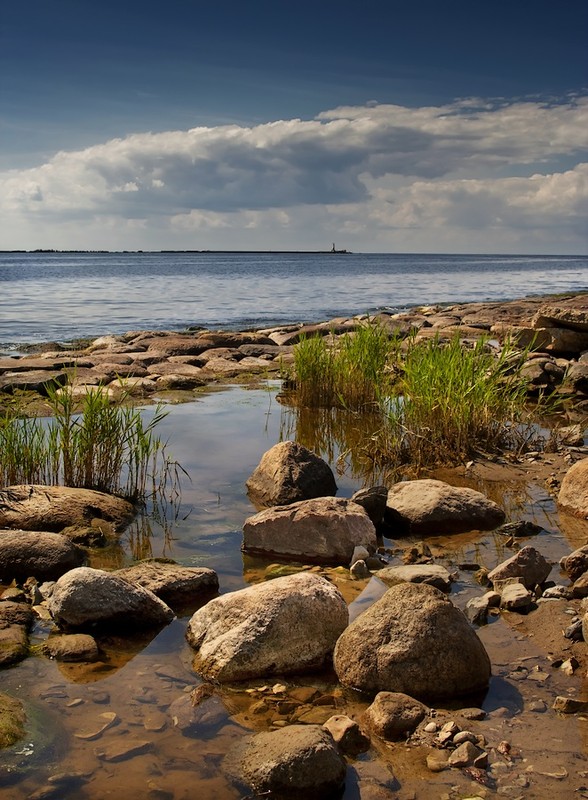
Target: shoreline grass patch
x=455, y=402
x=91, y=444
x=350, y=372
x=440, y=402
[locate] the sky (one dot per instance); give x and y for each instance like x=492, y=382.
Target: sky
x=387, y=126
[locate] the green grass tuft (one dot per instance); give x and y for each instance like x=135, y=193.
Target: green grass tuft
x=92, y=444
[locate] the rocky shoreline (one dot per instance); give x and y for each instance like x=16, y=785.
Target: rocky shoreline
x=422, y=653
x=151, y=365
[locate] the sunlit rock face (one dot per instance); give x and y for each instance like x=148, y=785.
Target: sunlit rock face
x=325, y=530
x=415, y=641
x=289, y=472
x=283, y=626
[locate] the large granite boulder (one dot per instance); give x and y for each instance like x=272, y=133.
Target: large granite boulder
x=415, y=641
x=325, y=530
x=429, y=507
x=87, y=597
x=176, y=585
x=573, y=493
x=528, y=564
x=288, y=472
x=286, y=625
x=293, y=762
x=52, y=508
x=39, y=554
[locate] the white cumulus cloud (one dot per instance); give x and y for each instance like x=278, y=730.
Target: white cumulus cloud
x=469, y=165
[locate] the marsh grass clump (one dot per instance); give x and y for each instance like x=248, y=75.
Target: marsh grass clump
x=93, y=444
x=350, y=372
x=454, y=402
x=437, y=402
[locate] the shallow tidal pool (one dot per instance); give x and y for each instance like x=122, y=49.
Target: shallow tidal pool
x=125, y=727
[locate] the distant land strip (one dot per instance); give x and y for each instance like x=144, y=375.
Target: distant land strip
x=155, y=252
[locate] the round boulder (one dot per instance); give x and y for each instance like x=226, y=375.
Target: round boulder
x=39, y=554
x=394, y=715
x=92, y=597
x=429, y=507
x=293, y=762
x=284, y=626
x=573, y=494
x=288, y=472
x=415, y=641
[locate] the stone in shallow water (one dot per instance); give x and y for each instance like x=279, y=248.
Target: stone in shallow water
x=394, y=715
x=432, y=574
x=289, y=472
x=284, y=626
x=12, y=720
x=72, y=647
x=412, y=640
x=296, y=761
x=86, y=596
x=126, y=751
x=430, y=507
x=102, y=723
x=323, y=530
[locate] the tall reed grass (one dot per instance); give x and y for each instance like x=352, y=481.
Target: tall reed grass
x=454, y=402
x=439, y=403
x=350, y=372
x=95, y=445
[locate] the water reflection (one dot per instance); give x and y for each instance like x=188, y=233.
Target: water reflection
x=147, y=682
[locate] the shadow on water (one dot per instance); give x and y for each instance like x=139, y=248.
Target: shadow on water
x=160, y=744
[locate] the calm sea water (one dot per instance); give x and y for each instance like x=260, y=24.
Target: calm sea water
x=60, y=296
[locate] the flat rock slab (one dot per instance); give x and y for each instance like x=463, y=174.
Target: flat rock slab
x=52, y=508
x=432, y=574
x=430, y=507
x=174, y=584
x=40, y=554
x=29, y=364
x=324, y=530
x=33, y=381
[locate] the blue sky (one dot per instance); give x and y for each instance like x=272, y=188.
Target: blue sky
x=385, y=126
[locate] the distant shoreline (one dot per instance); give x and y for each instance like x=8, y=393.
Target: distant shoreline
x=49, y=251
x=171, y=252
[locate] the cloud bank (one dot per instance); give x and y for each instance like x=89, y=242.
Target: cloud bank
x=471, y=175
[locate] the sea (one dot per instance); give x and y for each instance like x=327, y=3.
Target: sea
x=61, y=296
